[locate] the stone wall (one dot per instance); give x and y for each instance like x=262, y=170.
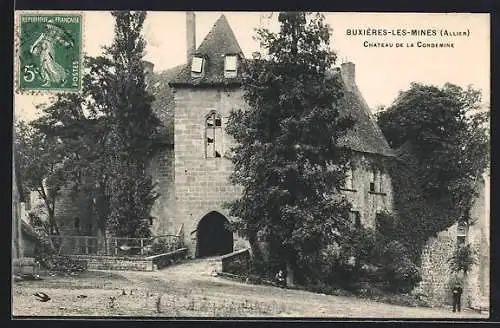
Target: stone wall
x=68, y=207
x=161, y=168
x=163, y=260
x=115, y=263
x=237, y=262
x=364, y=201
x=201, y=184
x=435, y=269
x=436, y=274
x=479, y=237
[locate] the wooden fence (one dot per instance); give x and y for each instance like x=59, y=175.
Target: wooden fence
x=115, y=246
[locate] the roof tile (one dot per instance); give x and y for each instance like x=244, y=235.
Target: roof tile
x=220, y=41
x=365, y=136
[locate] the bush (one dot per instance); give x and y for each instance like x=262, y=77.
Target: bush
x=44, y=251
x=160, y=246
x=399, y=272
x=67, y=264
x=44, y=248
x=401, y=299
x=327, y=289
x=347, y=264
x=463, y=259
x=236, y=266
x=266, y=270
x=386, y=224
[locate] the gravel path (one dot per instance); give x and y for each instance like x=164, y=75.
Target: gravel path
x=190, y=289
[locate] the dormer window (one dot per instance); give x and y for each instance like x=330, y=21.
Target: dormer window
x=197, y=65
x=230, y=66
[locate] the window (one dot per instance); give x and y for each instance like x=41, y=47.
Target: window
x=355, y=218
x=461, y=233
x=348, y=184
x=197, y=65
x=230, y=66
x=213, y=135
x=77, y=224
x=462, y=229
x=376, y=182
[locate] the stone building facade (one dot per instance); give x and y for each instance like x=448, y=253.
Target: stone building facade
x=205, y=91
x=436, y=274
x=190, y=166
x=190, y=163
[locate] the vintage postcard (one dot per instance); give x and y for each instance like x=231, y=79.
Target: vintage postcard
x=251, y=164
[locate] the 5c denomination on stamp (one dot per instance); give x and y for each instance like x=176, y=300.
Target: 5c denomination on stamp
x=49, y=53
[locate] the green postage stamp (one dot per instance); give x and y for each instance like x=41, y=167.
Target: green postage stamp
x=49, y=52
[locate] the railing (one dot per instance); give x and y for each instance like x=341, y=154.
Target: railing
x=115, y=246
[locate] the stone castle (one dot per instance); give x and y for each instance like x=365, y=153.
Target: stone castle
x=193, y=174
x=190, y=161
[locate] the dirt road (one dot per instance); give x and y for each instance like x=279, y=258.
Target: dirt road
x=190, y=289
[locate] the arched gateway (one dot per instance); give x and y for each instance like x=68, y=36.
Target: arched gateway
x=213, y=236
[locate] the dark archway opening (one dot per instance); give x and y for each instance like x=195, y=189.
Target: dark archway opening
x=213, y=236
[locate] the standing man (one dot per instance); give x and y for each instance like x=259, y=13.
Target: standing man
x=280, y=279
x=457, y=295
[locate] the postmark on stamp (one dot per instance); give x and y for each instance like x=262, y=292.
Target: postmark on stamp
x=49, y=52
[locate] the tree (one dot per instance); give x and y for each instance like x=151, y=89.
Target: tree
x=108, y=161
x=40, y=160
x=88, y=156
x=286, y=156
x=444, y=149
x=463, y=258
x=133, y=128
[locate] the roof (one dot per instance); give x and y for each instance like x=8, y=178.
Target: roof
x=28, y=229
x=365, y=136
x=220, y=41
x=163, y=105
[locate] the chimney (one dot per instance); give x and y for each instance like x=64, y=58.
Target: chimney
x=348, y=75
x=190, y=35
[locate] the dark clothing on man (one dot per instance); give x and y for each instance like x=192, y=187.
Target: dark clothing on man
x=280, y=279
x=457, y=294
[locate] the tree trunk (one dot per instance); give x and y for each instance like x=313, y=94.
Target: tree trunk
x=54, y=229
x=255, y=247
x=101, y=241
x=289, y=275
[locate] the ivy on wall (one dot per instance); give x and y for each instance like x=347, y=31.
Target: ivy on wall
x=442, y=144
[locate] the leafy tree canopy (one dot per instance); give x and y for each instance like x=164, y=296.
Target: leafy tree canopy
x=286, y=156
x=108, y=161
x=443, y=143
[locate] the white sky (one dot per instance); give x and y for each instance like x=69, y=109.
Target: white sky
x=380, y=72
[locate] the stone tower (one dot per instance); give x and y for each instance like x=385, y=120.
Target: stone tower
x=206, y=90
